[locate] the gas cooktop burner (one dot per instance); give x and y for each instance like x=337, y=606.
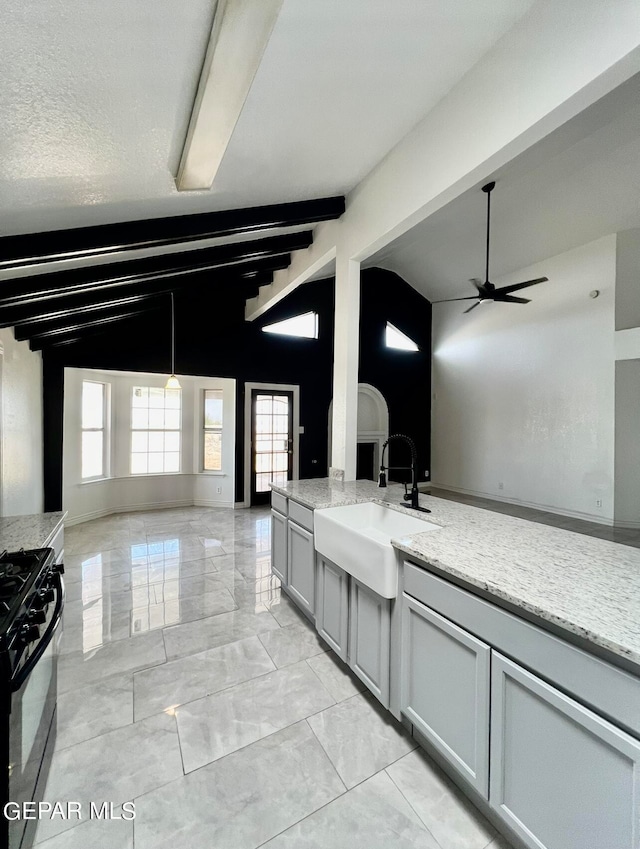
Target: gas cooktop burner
x=19, y=570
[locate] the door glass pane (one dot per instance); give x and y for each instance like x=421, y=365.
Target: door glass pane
x=271, y=426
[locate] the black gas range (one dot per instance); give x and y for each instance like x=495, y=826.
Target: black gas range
x=31, y=605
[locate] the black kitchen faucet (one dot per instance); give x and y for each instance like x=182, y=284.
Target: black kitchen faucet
x=382, y=477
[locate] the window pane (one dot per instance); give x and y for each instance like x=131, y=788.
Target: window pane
x=92, y=454
x=172, y=462
x=156, y=463
x=172, y=397
x=156, y=398
x=212, y=451
x=156, y=419
x=171, y=441
x=92, y=404
x=281, y=461
x=138, y=464
x=139, y=441
x=156, y=441
x=262, y=483
x=280, y=424
x=172, y=420
x=304, y=326
x=213, y=408
x=139, y=418
x=140, y=396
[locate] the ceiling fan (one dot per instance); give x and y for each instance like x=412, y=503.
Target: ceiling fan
x=487, y=291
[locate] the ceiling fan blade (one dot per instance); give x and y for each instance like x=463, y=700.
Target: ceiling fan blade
x=510, y=299
x=448, y=300
x=514, y=288
x=472, y=307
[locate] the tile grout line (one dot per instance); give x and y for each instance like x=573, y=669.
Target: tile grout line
x=399, y=789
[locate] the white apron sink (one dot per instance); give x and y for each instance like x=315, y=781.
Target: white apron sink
x=357, y=538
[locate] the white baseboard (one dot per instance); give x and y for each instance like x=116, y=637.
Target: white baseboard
x=209, y=502
x=133, y=508
x=631, y=526
x=559, y=511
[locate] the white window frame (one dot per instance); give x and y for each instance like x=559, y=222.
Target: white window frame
x=204, y=430
x=104, y=430
x=179, y=430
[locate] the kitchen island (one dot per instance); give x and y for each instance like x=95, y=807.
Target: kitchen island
x=511, y=650
x=585, y=586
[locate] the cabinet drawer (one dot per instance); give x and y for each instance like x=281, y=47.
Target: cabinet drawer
x=601, y=685
x=301, y=515
x=279, y=502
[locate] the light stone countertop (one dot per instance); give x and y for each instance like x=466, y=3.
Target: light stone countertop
x=33, y=531
x=584, y=585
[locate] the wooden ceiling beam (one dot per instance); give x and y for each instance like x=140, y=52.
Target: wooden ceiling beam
x=74, y=333
x=87, y=243
x=43, y=286
x=255, y=274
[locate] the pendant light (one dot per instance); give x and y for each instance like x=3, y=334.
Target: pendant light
x=173, y=382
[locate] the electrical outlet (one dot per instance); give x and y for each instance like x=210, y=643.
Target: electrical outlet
x=500, y=485
x=219, y=490
x=598, y=502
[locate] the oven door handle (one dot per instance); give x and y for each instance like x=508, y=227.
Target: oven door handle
x=19, y=677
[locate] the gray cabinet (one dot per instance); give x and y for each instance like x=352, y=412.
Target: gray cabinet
x=369, y=639
x=279, y=545
x=301, y=566
x=561, y=776
x=332, y=605
x=445, y=680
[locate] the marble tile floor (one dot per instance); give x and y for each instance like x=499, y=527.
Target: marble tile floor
x=190, y=685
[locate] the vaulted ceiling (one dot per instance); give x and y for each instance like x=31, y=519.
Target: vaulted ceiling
x=95, y=105
x=580, y=183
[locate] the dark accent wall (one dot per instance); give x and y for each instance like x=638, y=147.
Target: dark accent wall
x=213, y=339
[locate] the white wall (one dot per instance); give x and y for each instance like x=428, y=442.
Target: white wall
x=121, y=491
x=524, y=394
x=628, y=279
x=21, y=483
x=627, y=490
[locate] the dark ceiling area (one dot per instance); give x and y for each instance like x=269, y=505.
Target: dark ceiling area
x=60, y=307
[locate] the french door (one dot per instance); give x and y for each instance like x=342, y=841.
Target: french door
x=271, y=441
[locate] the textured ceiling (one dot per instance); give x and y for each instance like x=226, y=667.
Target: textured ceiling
x=582, y=182
x=96, y=98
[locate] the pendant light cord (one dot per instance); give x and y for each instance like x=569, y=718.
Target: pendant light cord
x=173, y=337
x=486, y=271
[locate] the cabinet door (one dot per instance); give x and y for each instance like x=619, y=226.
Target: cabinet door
x=332, y=605
x=445, y=689
x=369, y=636
x=279, y=546
x=561, y=776
x=302, y=566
